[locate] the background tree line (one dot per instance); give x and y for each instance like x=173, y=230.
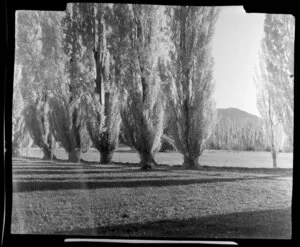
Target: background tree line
x=230, y=135
x=235, y=134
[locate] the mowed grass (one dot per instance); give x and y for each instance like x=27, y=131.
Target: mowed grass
x=120, y=199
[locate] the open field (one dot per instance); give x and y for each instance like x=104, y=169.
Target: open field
x=123, y=200
x=208, y=158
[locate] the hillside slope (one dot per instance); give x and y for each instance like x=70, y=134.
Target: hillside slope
x=239, y=116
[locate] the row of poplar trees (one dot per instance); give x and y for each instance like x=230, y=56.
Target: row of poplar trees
x=232, y=135
x=97, y=72
x=84, y=74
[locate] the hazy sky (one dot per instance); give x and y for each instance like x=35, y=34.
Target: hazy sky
x=235, y=50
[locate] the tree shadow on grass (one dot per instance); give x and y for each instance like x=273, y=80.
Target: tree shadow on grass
x=82, y=184
x=30, y=161
x=80, y=179
x=41, y=168
x=70, y=168
x=126, y=151
x=262, y=224
x=59, y=162
x=69, y=172
x=35, y=161
x=75, y=169
x=261, y=170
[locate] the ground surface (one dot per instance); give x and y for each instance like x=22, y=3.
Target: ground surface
x=208, y=158
x=122, y=200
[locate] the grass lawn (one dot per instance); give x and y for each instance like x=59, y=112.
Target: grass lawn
x=121, y=200
x=208, y=158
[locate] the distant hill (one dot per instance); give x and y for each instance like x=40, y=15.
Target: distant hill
x=237, y=115
x=236, y=129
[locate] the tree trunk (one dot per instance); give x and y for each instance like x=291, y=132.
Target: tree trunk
x=106, y=157
x=48, y=153
x=98, y=80
x=147, y=160
x=274, y=157
x=16, y=152
x=190, y=163
x=27, y=152
x=74, y=155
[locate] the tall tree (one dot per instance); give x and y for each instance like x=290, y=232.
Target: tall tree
x=273, y=128
x=69, y=115
x=142, y=111
x=20, y=134
x=191, y=31
x=36, y=38
x=69, y=126
x=278, y=59
x=92, y=27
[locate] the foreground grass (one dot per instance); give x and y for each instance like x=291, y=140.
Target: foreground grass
x=122, y=200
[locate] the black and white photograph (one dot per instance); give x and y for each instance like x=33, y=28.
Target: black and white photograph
x=153, y=121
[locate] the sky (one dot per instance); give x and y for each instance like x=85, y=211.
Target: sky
x=235, y=48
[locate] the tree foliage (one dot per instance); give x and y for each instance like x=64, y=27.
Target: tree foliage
x=272, y=127
x=232, y=135
x=277, y=60
x=142, y=112
x=90, y=23
x=68, y=116
x=37, y=41
x=69, y=127
x=20, y=135
x=191, y=30
x=274, y=80
x=81, y=74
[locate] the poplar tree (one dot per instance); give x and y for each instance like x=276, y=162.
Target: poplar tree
x=142, y=112
x=101, y=97
x=277, y=57
x=20, y=134
x=274, y=80
x=36, y=44
x=69, y=115
x=191, y=30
